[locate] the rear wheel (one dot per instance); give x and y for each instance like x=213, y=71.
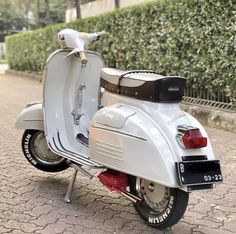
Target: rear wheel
x=161, y=207
x=36, y=151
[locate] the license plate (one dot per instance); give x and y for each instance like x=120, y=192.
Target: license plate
x=199, y=172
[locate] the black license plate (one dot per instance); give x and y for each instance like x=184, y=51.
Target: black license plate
x=199, y=172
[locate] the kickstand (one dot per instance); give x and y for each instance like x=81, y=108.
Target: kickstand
x=72, y=182
x=70, y=188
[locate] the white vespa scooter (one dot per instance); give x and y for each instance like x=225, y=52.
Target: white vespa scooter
x=126, y=123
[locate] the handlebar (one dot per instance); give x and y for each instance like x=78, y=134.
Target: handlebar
x=83, y=57
x=78, y=41
x=101, y=34
x=82, y=54
x=93, y=37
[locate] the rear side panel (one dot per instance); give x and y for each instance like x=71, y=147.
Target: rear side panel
x=134, y=146
x=146, y=144
x=165, y=117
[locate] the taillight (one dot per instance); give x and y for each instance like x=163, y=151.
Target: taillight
x=190, y=138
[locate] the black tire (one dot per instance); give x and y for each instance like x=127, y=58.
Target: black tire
x=164, y=213
x=36, y=151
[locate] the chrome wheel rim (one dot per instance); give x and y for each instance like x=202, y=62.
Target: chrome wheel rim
x=156, y=196
x=41, y=151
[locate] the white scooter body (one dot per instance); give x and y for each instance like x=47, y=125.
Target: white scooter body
x=63, y=77
x=128, y=123
x=129, y=135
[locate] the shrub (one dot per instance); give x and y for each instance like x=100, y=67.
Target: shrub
x=191, y=38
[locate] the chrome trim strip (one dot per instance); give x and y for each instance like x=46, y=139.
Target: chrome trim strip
x=122, y=133
x=89, y=161
x=74, y=157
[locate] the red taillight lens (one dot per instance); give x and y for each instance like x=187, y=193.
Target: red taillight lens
x=193, y=139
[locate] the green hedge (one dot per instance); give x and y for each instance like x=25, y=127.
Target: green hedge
x=192, y=38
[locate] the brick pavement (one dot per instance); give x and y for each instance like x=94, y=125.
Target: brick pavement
x=31, y=201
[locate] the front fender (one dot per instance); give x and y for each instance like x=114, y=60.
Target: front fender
x=31, y=117
x=126, y=139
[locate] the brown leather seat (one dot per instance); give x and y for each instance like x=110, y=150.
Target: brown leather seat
x=145, y=85
x=133, y=79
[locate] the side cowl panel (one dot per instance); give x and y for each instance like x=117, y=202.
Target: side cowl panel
x=126, y=139
x=31, y=117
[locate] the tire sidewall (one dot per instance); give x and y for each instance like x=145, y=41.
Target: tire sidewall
x=27, y=140
x=177, y=204
x=154, y=218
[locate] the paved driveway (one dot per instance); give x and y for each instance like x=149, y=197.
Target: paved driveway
x=31, y=201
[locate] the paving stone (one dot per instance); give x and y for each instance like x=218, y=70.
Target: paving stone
x=79, y=229
x=4, y=230
x=182, y=228
x=19, y=225
x=18, y=232
x=139, y=226
x=229, y=224
x=55, y=228
x=209, y=230
x=32, y=201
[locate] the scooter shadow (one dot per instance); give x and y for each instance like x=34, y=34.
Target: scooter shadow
x=91, y=201
x=87, y=194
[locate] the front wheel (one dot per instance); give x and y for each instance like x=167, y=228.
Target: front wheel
x=36, y=151
x=160, y=207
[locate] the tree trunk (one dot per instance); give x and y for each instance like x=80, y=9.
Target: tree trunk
x=37, y=13
x=48, y=15
x=78, y=10
x=117, y=3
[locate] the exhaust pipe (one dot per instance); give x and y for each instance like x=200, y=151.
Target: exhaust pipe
x=131, y=197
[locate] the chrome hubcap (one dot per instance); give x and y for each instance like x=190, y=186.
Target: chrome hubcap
x=151, y=187
x=40, y=149
x=155, y=195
